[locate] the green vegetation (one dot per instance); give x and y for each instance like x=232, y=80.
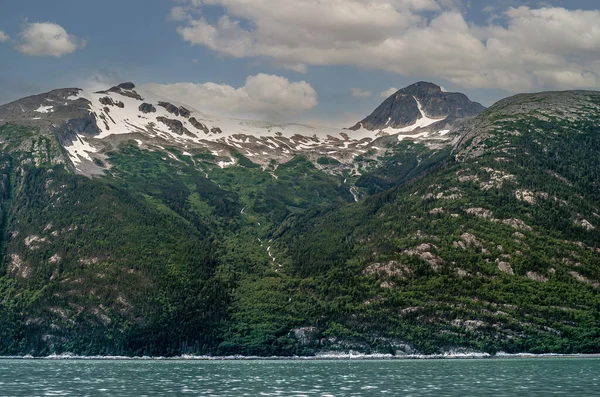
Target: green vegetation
x=327, y=161
x=170, y=254
x=404, y=162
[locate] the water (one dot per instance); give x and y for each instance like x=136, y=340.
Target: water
x=514, y=377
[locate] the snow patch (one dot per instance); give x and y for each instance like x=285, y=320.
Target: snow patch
x=423, y=122
x=80, y=149
x=44, y=109
x=225, y=164
x=412, y=136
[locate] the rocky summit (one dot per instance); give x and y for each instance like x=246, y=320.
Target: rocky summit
x=135, y=225
x=419, y=106
x=91, y=124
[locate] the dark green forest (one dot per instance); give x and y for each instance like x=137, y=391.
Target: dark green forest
x=446, y=251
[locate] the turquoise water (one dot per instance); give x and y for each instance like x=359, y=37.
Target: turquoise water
x=514, y=377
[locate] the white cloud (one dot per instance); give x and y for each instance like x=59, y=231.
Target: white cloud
x=100, y=80
x=360, y=93
x=185, y=10
x=526, y=48
x=178, y=14
x=388, y=93
x=3, y=37
x=48, y=39
x=263, y=96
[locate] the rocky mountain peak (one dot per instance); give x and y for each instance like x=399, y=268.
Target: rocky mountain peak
x=126, y=86
x=421, y=87
x=417, y=106
x=125, y=89
x=90, y=124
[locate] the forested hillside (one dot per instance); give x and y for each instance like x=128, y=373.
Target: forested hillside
x=493, y=245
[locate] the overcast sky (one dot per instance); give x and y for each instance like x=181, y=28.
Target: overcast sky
x=312, y=61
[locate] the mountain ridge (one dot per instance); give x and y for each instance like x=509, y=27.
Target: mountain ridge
x=92, y=123
x=420, y=101
x=488, y=243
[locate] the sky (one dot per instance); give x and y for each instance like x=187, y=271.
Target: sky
x=328, y=62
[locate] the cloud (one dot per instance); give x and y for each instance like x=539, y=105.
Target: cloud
x=100, y=80
x=47, y=39
x=359, y=93
x=3, y=37
x=185, y=10
x=388, y=93
x=178, y=14
x=522, y=49
x=263, y=96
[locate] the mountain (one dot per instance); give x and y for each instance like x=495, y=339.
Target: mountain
x=90, y=124
x=498, y=249
x=130, y=231
x=419, y=106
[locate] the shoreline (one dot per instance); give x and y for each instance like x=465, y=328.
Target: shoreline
x=321, y=357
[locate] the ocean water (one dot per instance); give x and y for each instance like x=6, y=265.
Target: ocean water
x=494, y=377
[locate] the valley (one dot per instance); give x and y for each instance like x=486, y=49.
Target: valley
x=143, y=227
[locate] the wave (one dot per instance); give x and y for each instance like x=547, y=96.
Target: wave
x=318, y=356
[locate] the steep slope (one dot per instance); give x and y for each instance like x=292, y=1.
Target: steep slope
x=149, y=259
x=88, y=125
x=419, y=106
x=489, y=242
x=499, y=249
x=91, y=267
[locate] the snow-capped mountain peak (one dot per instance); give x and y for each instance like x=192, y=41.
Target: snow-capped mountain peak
x=418, y=106
x=89, y=124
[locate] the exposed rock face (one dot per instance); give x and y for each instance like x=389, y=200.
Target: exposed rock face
x=174, y=125
x=125, y=89
x=586, y=225
x=470, y=239
x=525, y=195
x=67, y=132
x=85, y=117
x=170, y=108
x=126, y=86
x=198, y=125
x=92, y=123
x=46, y=110
x=537, y=277
x=505, y=267
x=423, y=251
x=110, y=102
x=402, y=109
x=183, y=112
x=584, y=279
x=566, y=105
x=305, y=335
x=147, y=108
x=517, y=224
x=481, y=213
x=390, y=269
